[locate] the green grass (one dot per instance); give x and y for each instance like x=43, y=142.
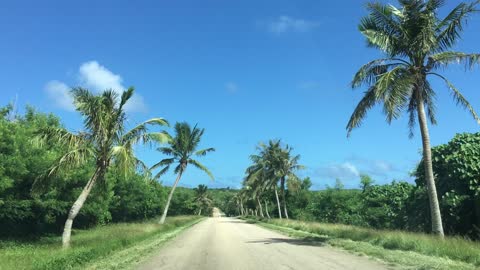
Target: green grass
x=419, y=251
x=90, y=246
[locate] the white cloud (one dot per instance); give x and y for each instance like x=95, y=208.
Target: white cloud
x=60, y=94
x=231, y=87
x=96, y=77
x=285, y=24
x=344, y=171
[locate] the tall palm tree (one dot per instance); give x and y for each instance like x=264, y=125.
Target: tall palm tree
x=103, y=141
x=416, y=43
x=286, y=167
x=201, y=198
x=181, y=149
x=263, y=168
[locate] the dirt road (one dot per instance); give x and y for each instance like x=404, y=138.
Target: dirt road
x=227, y=243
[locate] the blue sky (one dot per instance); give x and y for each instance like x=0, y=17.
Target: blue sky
x=246, y=71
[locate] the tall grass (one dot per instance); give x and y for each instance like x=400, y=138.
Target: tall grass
x=87, y=245
x=453, y=248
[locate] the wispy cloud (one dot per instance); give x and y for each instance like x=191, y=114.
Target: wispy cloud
x=231, y=87
x=350, y=169
x=284, y=24
x=95, y=77
x=344, y=171
x=59, y=92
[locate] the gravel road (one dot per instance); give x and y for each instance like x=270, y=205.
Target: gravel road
x=228, y=243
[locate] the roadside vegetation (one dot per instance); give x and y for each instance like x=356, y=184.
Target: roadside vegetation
x=395, y=206
x=91, y=186
x=91, y=247
x=451, y=253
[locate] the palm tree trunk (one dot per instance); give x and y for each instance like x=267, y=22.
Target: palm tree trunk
x=242, y=210
x=437, y=227
x=282, y=186
x=165, y=211
x=278, y=204
x=260, y=207
x=200, y=211
x=77, y=205
x=266, y=210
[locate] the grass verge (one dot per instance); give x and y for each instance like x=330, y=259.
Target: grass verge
x=91, y=247
x=410, y=250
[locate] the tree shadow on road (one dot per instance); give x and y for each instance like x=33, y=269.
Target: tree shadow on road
x=306, y=241
x=232, y=221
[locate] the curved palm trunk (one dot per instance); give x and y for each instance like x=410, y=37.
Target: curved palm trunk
x=266, y=210
x=278, y=204
x=260, y=207
x=165, y=211
x=437, y=227
x=77, y=205
x=282, y=186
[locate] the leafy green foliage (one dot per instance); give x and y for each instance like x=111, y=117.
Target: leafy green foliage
x=24, y=212
x=136, y=198
x=183, y=202
x=385, y=206
x=457, y=167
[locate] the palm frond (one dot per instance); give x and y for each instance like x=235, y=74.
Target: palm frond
x=443, y=59
x=61, y=136
x=368, y=73
x=143, y=127
x=162, y=172
x=366, y=103
x=126, y=95
x=200, y=166
x=451, y=26
x=458, y=97
x=203, y=152
x=163, y=162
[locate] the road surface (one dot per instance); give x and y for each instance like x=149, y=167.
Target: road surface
x=227, y=243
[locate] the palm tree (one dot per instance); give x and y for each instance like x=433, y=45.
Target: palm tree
x=254, y=184
x=285, y=170
x=273, y=164
x=263, y=168
x=201, y=198
x=181, y=149
x=417, y=43
x=104, y=141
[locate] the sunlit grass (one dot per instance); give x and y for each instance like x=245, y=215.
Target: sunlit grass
x=87, y=245
x=451, y=248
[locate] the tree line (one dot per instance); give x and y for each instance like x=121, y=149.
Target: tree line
x=398, y=205
x=42, y=157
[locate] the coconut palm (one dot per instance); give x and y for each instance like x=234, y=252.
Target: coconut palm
x=285, y=169
x=263, y=169
x=256, y=186
x=104, y=142
x=181, y=149
x=417, y=44
x=201, y=198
